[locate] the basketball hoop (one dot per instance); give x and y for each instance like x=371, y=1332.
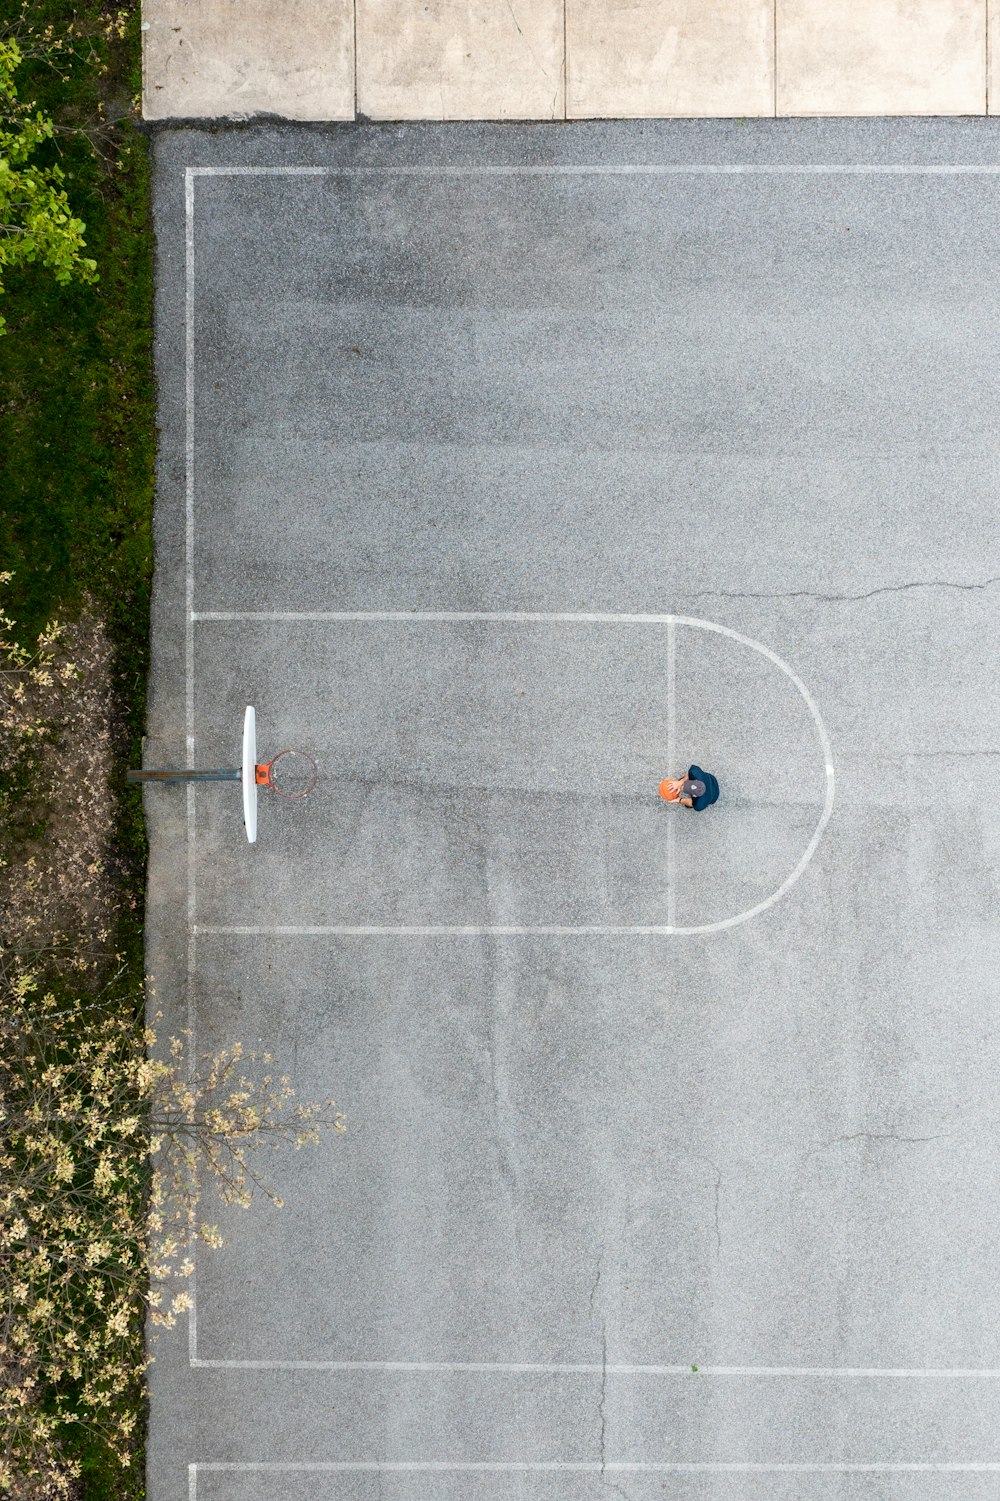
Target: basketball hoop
x=291, y=774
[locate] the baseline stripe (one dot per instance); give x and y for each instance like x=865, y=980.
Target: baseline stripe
x=672, y=169
x=593, y=1368
x=592, y=1467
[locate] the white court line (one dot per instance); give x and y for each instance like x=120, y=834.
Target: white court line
x=579, y=1467
x=714, y=169
x=444, y=930
x=671, y=825
x=189, y=455
x=539, y=617
x=189, y=544
x=189, y=548
x=192, y=616
x=192, y=889
x=597, y=1368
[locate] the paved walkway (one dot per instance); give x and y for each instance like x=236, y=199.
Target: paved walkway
x=568, y=59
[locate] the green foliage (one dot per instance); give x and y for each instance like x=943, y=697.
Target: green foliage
x=77, y=449
x=36, y=222
x=77, y=412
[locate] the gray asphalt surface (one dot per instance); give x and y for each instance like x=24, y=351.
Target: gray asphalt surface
x=506, y=493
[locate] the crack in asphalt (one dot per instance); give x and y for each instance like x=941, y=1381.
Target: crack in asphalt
x=604, y=1476
x=845, y=598
x=953, y=755
x=895, y=1136
x=597, y=1280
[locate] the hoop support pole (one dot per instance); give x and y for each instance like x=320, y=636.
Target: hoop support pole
x=224, y=774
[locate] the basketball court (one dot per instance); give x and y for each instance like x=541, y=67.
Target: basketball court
x=505, y=471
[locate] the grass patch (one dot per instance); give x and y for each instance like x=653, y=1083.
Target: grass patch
x=77, y=415
x=77, y=451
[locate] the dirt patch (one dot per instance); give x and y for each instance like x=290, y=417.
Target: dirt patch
x=57, y=885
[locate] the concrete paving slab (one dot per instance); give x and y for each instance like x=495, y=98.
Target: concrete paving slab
x=460, y=60
x=578, y=1167
x=229, y=58
x=669, y=57
x=887, y=57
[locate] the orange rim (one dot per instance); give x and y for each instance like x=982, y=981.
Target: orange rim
x=264, y=773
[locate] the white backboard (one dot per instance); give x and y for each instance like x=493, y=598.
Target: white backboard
x=249, y=773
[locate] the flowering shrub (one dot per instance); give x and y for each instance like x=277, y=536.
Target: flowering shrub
x=104, y=1154
x=25, y=676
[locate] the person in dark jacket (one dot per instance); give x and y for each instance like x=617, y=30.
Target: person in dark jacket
x=698, y=790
